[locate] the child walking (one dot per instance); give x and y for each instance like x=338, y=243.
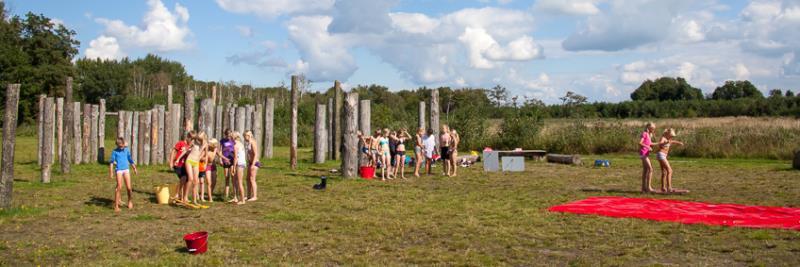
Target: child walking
x=666, y=170
x=121, y=163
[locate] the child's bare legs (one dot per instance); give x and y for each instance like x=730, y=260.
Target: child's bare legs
x=251, y=180
x=446, y=167
x=239, y=185
x=188, y=184
x=428, y=162
x=664, y=175
x=129, y=188
x=228, y=174
x=116, y=191
x=647, y=175
x=417, y=162
x=454, y=163
x=213, y=184
x=208, y=185
x=402, y=166
x=202, y=188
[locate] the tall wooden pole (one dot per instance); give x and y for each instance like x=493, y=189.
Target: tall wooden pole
x=135, y=146
x=337, y=119
x=169, y=97
x=320, y=135
x=188, y=109
x=77, y=133
x=47, y=141
x=293, y=132
x=40, y=124
x=146, y=132
x=87, y=132
x=435, y=115
x=349, y=137
x=101, y=132
x=269, y=116
x=218, y=122
x=240, y=119
x=422, y=114
x=69, y=119
x=365, y=114
x=9, y=140
x=93, y=142
x=331, y=131
x=59, y=119
x=161, y=136
x=258, y=124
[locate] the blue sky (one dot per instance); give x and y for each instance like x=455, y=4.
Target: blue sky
x=599, y=48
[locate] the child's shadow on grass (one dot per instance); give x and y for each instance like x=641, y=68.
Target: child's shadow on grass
x=99, y=201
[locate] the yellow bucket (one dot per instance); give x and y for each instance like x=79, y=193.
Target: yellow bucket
x=162, y=194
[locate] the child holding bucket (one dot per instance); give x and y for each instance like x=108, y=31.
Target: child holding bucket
x=121, y=163
x=666, y=170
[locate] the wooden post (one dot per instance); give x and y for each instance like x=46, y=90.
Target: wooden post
x=231, y=117
x=213, y=94
x=293, y=131
x=87, y=132
x=337, y=119
x=101, y=132
x=161, y=137
x=129, y=131
x=320, y=135
x=349, y=137
x=176, y=125
x=93, y=143
x=329, y=125
x=121, y=123
x=240, y=111
x=9, y=140
x=364, y=122
x=201, y=117
x=422, y=114
x=153, y=136
x=258, y=120
x=40, y=124
x=77, y=133
x=169, y=97
x=435, y=115
x=47, y=140
x=269, y=116
x=218, y=111
x=59, y=126
x=167, y=144
x=66, y=150
x=135, y=136
x=248, y=118
x=188, y=108
x=209, y=116
x=145, y=131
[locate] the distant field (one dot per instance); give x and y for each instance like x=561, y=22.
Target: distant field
x=475, y=219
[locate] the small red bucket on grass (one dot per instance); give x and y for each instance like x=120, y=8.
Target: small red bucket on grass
x=367, y=172
x=196, y=243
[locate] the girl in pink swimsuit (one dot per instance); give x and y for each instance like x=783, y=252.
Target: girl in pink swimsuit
x=645, y=146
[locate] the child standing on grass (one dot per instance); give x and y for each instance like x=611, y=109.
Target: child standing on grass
x=252, y=165
x=666, y=170
x=240, y=162
x=419, y=156
x=121, y=163
x=645, y=146
x=177, y=162
x=227, y=144
x=455, y=139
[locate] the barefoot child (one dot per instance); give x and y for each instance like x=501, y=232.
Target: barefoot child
x=121, y=163
x=252, y=165
x=429, y=145
x=177, y=161
x=455, y=139
x=418, y=148
x=666, y=170
x=645, y=146
x=226, y=156
x=240, y=162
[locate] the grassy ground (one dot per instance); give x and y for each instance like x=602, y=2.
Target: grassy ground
x=475, y=219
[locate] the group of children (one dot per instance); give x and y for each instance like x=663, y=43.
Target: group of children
x=663, y=146
x=387, y=150
x=194, y=160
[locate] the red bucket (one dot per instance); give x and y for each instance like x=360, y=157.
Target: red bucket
x=367, y=172
x=196, y=243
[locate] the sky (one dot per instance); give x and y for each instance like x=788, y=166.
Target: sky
x=602, y=49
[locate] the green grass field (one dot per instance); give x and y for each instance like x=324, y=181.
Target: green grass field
x=474, y=219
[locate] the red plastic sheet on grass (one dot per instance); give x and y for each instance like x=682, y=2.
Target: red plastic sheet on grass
x=686, y=212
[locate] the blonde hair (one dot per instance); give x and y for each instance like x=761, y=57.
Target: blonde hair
x=649, y=125
x=670, y=132
x=213, y=143
x=236, y=136
x=248, y=132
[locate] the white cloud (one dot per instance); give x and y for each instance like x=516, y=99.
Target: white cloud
x=741, y=72
x=104, y=47
x=413, y=22
x=245, y=31
x=325, y=57
x=361, y=16
x=273, y=8
x=161, y=29
x=567, y=7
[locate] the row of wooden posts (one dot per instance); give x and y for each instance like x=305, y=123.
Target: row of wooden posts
x=76, y=132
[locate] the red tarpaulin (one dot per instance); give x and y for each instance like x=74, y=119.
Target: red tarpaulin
x=686, y=212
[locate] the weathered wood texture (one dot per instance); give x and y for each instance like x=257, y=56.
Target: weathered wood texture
x=47, y=140
x=320, y=135
x=230, y=118
x=435, y=115
x=293, y=128
x=188, y=109
x=135, y=148
x=176, y=126
x=59, y=126
x=564, y=159
x=331, y=132
x=87, y=132
x=9, y=142
x=248, y=118
x=337, y=119
x=121, y=123
x=349, y=137
x=153, y=136
x=421, y=114
x=101, y=132
x=67, y=152
x=205, y=120
x=146, y=131
x=258, y=122
x=240, y=114
x=77, y=133
x=269, y=117
x=364, y=117
x=93, y=142
x=218, y=121
x=162, y=154
x=40, y=126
